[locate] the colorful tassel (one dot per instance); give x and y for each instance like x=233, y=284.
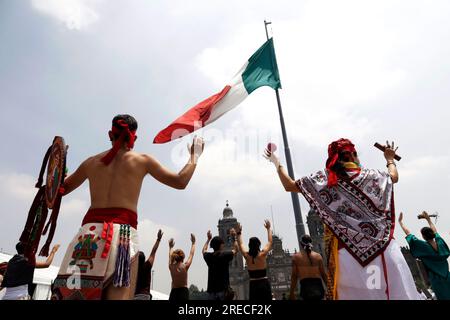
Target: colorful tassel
x=122, y=272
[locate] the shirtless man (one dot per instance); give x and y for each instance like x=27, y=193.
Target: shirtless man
x=108, y=233
x=179, y=271
x=307, y=266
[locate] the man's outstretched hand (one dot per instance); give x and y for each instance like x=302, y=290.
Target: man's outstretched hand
x=196, y=148
x=424, y=215
x=269, y=155
x=55, y=248
x=389, y=152
x=159, y=235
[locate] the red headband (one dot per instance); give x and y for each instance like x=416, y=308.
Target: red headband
x=124, y=131
x=334, y=149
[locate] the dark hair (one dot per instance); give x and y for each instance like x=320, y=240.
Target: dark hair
x=20, y=248
x=306, y=243
x=254, y=247
x=141, y=276
x=216, y=242
x=428, y=233
x=141, y=257
x=130, y=120
x=141, y=262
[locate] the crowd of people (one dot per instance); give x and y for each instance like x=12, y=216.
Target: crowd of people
x=311, y=273
x=355, y=204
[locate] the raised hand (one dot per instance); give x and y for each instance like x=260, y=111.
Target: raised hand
x=400, y=217
x=192, y=238
x=196, y=148
x=389, y=152
x=171, y=243
x=269, y=155
x=209, y=235
x=160, y=234
x=238, y=228
x=267, y=224
x=55, y=248
x=424, y=215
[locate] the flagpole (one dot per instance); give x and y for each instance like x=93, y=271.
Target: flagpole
x=300, y=227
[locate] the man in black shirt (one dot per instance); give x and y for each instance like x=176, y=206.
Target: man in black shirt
x=218, y=267
x=19, y=273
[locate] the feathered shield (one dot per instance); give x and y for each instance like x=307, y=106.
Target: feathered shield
x=47, y=197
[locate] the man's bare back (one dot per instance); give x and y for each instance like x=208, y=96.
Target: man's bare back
x=118, y=184
x=311, y=267
x=115, y=180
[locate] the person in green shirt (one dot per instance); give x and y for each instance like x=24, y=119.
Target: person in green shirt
x=433, y=252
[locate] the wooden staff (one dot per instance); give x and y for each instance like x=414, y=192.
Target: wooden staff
x=383, y=148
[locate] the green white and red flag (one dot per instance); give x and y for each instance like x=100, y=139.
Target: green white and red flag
x=260, y=70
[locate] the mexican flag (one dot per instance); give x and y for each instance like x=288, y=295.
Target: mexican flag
x=260, y=70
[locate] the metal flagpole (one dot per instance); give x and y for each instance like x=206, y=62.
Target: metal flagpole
x=300, y=227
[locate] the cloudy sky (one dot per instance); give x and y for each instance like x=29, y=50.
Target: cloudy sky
x=365, y=70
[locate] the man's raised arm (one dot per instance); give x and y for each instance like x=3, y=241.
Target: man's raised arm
x=151, y=258
x=239, y=240
x=208, y=239
x=171, y=245
x=74, y=180
x=288, y=183
x=389, y=154
x=191, y=253
x=48, y=262
x=268, y=246
x=176, y=180
x=400, y=222
x=425, y=216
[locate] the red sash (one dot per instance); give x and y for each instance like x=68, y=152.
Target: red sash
x=109, y=216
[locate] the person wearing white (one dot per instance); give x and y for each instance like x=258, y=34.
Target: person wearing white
x=356, y=206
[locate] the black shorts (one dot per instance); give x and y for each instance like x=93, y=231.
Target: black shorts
x=312, y=289
x=178, y=295
x=260, y=290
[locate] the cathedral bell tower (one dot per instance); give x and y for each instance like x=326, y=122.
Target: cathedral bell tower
x=238, y=274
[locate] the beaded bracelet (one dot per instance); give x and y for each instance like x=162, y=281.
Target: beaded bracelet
x=390, y=162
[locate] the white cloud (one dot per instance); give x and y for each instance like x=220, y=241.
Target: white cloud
x=359, y=68
x=75, y=14
x=236, y=173
x=342, y=50
x=18, y=186
x=74, y=206
x=148, y=230
x=340, y=59
x=421, y=167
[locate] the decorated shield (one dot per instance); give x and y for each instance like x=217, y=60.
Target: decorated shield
x=55, y=170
